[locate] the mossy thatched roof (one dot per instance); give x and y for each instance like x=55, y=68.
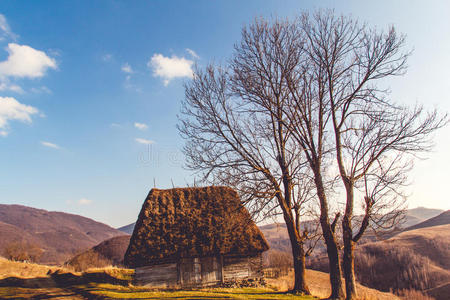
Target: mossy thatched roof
x=192, y=222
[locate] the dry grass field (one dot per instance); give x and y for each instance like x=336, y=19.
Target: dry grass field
x=417, y=260
x=319, y=285
x=26, y=280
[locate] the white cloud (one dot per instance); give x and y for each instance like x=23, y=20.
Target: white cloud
x=3, y=133
x=140, y=126
x=6, y=86
x=24, y=61
x=144, y=141
x=192, y=53
x=50, y=145
x=115, y=125
x=13, y=110
x=84, y=201
x=5, y=30
x=127, y=68
x=169, y=68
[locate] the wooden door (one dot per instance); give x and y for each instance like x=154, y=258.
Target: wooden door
x=190, y=269
x=211, y=270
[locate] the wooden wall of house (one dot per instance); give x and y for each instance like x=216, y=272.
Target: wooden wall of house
x=195, y=272
x=205, y=271
x=239, y=268
x=164, y=276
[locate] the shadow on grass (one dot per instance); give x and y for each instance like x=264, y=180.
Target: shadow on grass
x=61, y=280
x=57, y=285
x=85, y=286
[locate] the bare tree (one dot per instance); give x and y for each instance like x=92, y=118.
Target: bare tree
x=232, y=119
x=299, y=103
x=374, y=138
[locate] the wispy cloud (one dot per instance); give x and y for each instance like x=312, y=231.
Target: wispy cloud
x=140, y=126
x=127, y=68
x=115, y=125
x=5, y=30
x=43, y=89
x=50, y=145
x=107, y=57
x=144, y=141
x=192, y=53
x=84, y=201
x=129, y=85
x=24, y=61
x=13, y=110
x=5, y=85
x=169, y=68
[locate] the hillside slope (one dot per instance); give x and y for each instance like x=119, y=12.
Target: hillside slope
x=278, y=238
x=420, y=213
x=108, y=253
x=441, y=219
x=60, y=235
x=128, y=229
x=417, y=259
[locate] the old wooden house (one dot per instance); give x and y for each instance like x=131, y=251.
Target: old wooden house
x=186, y=237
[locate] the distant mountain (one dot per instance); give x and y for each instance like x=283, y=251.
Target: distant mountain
x=420, y=214
x=442, y=219
x=128, y=229
x=59, y=235
x=277, y=236
x=107, y=253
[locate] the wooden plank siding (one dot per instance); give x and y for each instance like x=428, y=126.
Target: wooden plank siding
x=164, y=275
x=235, y=268
x=200, y=272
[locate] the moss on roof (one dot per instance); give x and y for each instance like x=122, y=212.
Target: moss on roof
x=192, y=222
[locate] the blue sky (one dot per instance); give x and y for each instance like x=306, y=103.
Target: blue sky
x=90, y=90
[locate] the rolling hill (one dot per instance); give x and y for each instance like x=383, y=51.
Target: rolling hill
x=108, y=253
x=442, y=219
x=417, y=259
x=59, y=235
x=277, y=236
x=128, y=229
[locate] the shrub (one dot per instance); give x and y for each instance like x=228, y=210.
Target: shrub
x=22, y=251
x=413, y=295
x=88, y=260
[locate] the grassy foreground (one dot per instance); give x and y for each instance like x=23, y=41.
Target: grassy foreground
x=110, y=291
x=24, y=281
x=117, y=292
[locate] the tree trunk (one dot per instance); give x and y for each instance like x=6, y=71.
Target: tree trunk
x=300, y=271
x=347, y=235
x=349, y=259
x=298, y=254
x=337, y=290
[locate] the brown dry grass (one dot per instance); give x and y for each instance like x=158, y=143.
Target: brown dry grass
x=319, y=285
x=413, y=260
x=17, y=269
x=25, y=270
